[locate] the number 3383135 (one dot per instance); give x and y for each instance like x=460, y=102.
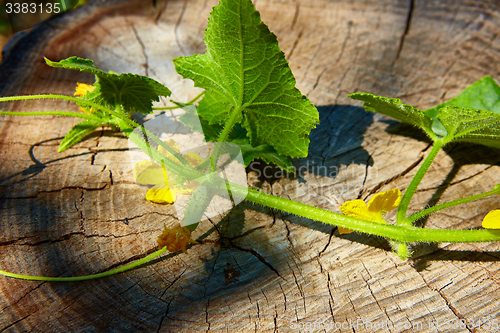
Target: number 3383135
x=24, y=8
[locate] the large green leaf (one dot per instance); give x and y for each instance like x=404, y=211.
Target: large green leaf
x=246, y=75
x=134, y=92
x=394, y=108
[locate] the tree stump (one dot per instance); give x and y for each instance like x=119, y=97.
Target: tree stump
x=80, y=212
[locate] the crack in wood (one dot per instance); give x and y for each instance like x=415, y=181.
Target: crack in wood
x=405, y=33
x=55, y=191
x=447, y=301
x=176, y=28
x=22, y=297
x=295, y=43
x=295, y=15
x=449, y=184
x=68, y=236
x=260, y=258
x=395, y=177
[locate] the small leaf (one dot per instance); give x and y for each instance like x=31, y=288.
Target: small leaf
x=134, y=92
x=265, y=152
x=245, y=74
x=393, y=107
x=470, y=125
x=77, y=133
x=484, y=94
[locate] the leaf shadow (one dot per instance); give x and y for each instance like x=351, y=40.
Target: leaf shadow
x=336, y=141
x=37, y=167
x=422, y=262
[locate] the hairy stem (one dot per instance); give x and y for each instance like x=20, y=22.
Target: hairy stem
x=410, y=219
x=404, y=234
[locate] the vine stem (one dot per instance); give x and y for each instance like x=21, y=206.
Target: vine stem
x=52, y=113
x=404, y=234
x=86, y=277
x=412, y=188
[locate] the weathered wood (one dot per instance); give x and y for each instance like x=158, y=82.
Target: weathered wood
x=80, y=212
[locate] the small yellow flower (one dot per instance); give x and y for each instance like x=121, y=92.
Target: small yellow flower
x=81, y=90
x=165, y=188
x=492, y=220
x=378, y=205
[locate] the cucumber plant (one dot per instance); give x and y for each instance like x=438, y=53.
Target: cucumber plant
x=250, y=100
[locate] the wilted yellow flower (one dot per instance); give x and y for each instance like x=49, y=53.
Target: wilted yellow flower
x=175, y=239
x=378, y=205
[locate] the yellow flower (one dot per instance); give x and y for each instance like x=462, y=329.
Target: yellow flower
x=165, y=188
x=492, y=220
x=378, y=205
x=81, y=90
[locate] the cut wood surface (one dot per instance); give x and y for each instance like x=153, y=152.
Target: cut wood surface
x=80, y=212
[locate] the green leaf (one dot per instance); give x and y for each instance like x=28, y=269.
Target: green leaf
x=484, y=94
x=246, y=75
x=470, y=125
x=134, y=92
x=394, y=108
x=77, y=133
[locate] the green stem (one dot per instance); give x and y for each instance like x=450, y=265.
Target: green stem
x=166, y=108
x=52, y=113
x=412, y=188
x=179, y=105
x=118, y=114
x=434, y=209
x=86, y=277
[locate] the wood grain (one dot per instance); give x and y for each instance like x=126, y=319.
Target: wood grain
x=255, y=269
